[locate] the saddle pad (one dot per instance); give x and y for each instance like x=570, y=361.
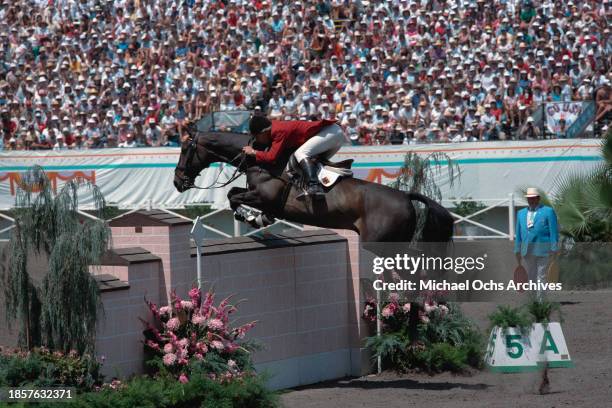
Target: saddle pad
x=327, y=177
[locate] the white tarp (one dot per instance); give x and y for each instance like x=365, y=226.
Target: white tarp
x=137, y=177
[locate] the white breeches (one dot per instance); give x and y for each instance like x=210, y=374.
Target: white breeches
x=326, y=143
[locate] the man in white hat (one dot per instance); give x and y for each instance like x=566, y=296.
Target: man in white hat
x=537, y=236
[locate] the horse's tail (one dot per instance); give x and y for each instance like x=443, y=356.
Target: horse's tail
x=439, y=223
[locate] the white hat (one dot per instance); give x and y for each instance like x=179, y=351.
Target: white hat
x=532, y=192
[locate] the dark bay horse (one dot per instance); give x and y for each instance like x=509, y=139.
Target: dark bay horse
x=376, y=212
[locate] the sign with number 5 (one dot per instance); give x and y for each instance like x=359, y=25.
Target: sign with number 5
x=510, y=351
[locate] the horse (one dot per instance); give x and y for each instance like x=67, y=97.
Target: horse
x=378, y=213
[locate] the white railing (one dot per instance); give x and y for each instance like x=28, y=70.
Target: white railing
x=10, y=227
x=511, y=201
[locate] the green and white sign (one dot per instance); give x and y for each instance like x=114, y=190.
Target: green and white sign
x=511, y=352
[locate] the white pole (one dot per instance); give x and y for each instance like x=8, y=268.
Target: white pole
x=378, y=329
x=511, y=231
x=199, y=264
x=198, y=233
x=237, y=232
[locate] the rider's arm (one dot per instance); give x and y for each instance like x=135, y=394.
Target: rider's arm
x=273, y=152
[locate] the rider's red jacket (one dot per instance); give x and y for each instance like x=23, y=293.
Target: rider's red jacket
x=290, y=134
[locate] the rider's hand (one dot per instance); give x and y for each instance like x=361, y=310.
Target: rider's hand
x=248, y=150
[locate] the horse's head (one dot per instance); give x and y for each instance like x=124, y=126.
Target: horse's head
x=200, y=149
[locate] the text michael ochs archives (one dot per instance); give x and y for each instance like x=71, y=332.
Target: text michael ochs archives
x=403, y=263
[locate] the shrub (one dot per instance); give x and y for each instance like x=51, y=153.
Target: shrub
x=447, y=340
x=541, y=311
x=507, y=316
x=42, y=368
x=249, y=391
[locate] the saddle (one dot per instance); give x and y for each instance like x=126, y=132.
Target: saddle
x=328, y=172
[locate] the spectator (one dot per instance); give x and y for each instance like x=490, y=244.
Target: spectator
x=174, y=61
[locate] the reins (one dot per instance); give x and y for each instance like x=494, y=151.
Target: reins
x=193, y=150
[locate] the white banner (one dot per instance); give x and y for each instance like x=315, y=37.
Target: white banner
x=555, y=111
x=136, y=177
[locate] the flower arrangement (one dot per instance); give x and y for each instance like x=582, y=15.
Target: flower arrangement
x=446, y=339
x=196, y=335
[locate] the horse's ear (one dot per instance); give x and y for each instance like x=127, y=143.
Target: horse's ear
x=190, y=128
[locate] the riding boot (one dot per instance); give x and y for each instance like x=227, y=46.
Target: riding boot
x=313, y=188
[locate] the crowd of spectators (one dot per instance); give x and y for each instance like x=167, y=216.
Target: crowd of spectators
x=106, y=73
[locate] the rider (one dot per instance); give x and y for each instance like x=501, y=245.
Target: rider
x=321, y=138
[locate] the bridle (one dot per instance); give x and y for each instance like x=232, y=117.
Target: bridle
x=192, y=150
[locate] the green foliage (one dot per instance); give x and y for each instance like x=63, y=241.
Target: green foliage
x=508, y=316
x=542, y=310
x=448, y=340
x=193, y=211
x=417, y=175
x=443, y=357
x=586, y=266
x=61, y=311
x=583, y=201
x=163, y=392
x=452, y=327
x=467, y=207
x=41, y=368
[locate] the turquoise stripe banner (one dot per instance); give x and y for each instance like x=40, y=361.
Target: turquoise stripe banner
x=355, y=165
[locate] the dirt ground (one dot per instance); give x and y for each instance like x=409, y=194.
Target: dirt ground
x=587, y=326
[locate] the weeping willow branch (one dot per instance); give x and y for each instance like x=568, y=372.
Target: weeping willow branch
x=62, y=312
x=418, y=175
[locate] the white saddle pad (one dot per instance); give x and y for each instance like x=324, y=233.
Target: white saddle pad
x=328, y=176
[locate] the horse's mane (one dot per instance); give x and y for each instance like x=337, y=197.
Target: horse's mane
x=239, y=140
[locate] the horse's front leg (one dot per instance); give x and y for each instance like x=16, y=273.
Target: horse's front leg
x=235, y=191
x=253, y=199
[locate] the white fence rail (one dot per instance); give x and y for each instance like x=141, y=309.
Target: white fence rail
x=464, y=220
x=469, y=219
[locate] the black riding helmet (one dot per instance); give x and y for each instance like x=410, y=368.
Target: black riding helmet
x=258, y=123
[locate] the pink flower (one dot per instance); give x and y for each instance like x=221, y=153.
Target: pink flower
x=194, y=295
x=198, y=319
x=183, y=378
x=173, y=324
x=406, y=308
x=168, y=348
x=183, y=342
x=242, y=330
x=424, y=319
x=231, y=347
x=198, y=356
x=443, y=310
x=215, y=324
x=186, y=304
x=217, y=345
x=164, y=310
x=429, y=307
x=387, y=312
x=202, y=347
x=394, y=297
x=169, y=359
x=231, y=363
